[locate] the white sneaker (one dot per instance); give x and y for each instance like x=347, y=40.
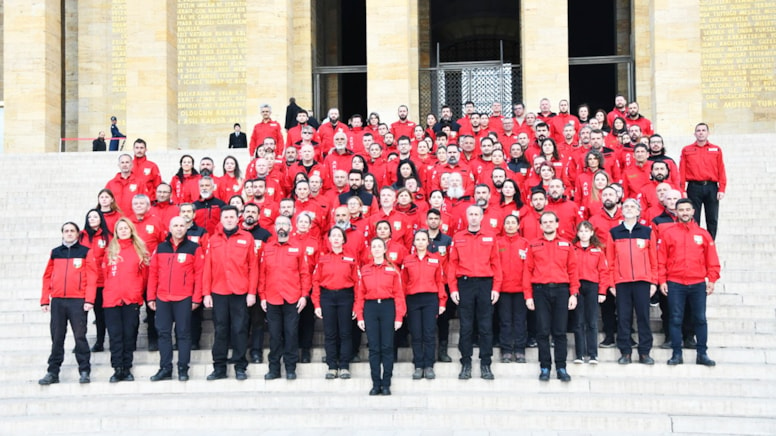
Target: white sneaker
x=593, y=361
x=579, y=361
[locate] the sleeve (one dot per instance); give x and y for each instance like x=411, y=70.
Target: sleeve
x=153, y=277
x=440, y=282
x=316, y=282
x=722, y=174
x=304, y=276
x=528, y=273
x=262, y=286
x=358, y=303
x=573, y=271
x=45, y=293
x=683, y=172
x=604, y=274
x=712, y=260
x=199, y=263
x=255, y=142
x=653, y=258
x=398, y=297
x=452, y=280
x=207, y=273
x=495, y=265
x=662, y=257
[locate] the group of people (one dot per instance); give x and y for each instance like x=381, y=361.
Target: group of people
x=524, y=224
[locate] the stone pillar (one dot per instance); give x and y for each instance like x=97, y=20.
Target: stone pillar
x=392, y=58
x=642, y=55
x=94, y=72
x=32, y=39
x=676, y=66
x=301, y=55
x=544, y=52
x=152, y=73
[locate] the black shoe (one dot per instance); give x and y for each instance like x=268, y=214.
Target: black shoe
x=466, y=372
x=385, y=390
x=442, y=354
x=216, y=375
x=675, y=360
x=256, y=356
x=507, y=358
x=607, y=343
x=563, y=375
x=519, y=358
x=633, y=343
x=646, y=360
x=624, y=359
x=429, y=373
x=690, y=344
x=531, y=343
x=305, y=356
x=240, y=374
x=544, y=375
x=375, y=391
x=418, y=374
x=85, y=378
x=98, y=347
x=271, y=375
x=153, y=346
x=162, y=374
x=118, y=375
x=290, y=375
x=705, y=361
x=49, y=379
x=486, y=373
x=128, y=376
x=666, y=345
x=183, y=375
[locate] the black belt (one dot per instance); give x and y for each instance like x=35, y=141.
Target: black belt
x=550, y=285
x=474, y=278
x=337, y=290
x=701, y=182
x=380, y=300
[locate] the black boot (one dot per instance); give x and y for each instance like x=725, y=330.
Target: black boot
x=443, y=356
x=118, y=375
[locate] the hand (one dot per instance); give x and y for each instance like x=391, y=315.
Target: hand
x=601, y=298
x=301, y=304
x=709, y=288
x=194, y=306
x=664, y=288
x=529, y=303
x=207, y=300
x=319, y=313
x=250, y=300
x=652, y=289
x=396, y=325
x=264, y=305
x=362, y=326
x=456, y=297
x=45, y=309
x=613, y=290
x=572, y=302
x=720, y=195
x=494, y=297
x=151, y=305
x=442, y=309
x=352, y=315
x=88, y=307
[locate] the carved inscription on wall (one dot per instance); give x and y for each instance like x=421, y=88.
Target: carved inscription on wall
x=118, y=59
x=739, y=60
x=211, y=62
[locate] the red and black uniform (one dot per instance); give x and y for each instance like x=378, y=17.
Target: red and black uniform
x=97, y=247
x=424, y=288
x=208, y=213
x=702, y=171
x=511, y=303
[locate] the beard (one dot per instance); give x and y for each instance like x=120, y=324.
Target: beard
x=609, y=204
x=455, y=192
x=452, y=160
x=498, y=185
x=483, y=203
x=250, y=220
x=344, y=225
x=282, y=233
x=659, y=177
x=205, y=173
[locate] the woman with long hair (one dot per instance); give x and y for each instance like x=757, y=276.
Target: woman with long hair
x=106, y=204
x=371, y=186
x=96, y=236
x=232, y=181
x=600, y=115
x=126, y=271
x=510, y=201
x=185, y=182
x=380, y=308
x=512, y=311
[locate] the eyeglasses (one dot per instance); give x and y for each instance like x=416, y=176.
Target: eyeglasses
x=307, y=133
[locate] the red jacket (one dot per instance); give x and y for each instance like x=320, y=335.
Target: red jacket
x=643, y=122
x=379, y=282
x=164, y=212
x=512, y=251
x=97, y=247
x=334, y=271
x=284, y=275
x=424, y=275
x=124, y=189
x=70, y=273
x=208, y=213
x=401, y=227
x=550, y=262
x=262, y=130
x=529, y=222
x=687, y=255
x=176, y=272
x=228, y=186
x=701, y=164
x=400, y=129
x=231, y=265
x=147, y=173
x=633, y=254
x=474, y=255
x=125, y=280
x=326, y=133
x=594, y=267
x=568, y=216
x=186, y=191
x=150, y=231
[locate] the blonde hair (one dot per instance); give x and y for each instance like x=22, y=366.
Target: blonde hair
x=114, y=248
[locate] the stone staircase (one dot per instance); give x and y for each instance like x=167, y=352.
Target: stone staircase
x=736, y=397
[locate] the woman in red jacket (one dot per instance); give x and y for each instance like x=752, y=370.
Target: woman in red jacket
x=594, y=280
x=106, y=204
x=96, y=236
x=334, y=280
x=126, y=270
x=512, y=311
x=426, y=299
x=379, y=309
x=185, y=183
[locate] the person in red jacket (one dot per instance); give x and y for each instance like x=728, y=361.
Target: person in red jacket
x=512, y=311
x=185, y=188
x=145, y=170
x=163, y=208
x=126, y=272
x=632, y=258
x=265, y=128
x=125, y=184
x=475, y=277
x=174, y=291
x=403, y=126
x=380, y=308
x=688, y=268
x=68, y=293
x=551, y=285
x=594, y=280
x=229, y=284
x=96, y=236
x=284, y=286
x=424, y=288
x=106, y=204
x=702, y=175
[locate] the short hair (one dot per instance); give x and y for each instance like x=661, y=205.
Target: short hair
x=549, y=212
x=236, y=125
x=140, y=141
x=247, y=205
x=70, y=223
x=640, y=145
x=634, y=201
x=433, y=211
x=229, y=208
x=356, y=171
x=265, y=105
x=684, y=201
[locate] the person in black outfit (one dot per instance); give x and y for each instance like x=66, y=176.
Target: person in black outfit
x=238, y=138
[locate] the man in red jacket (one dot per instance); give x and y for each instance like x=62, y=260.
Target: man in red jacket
x=229, y=284
x=69, y=289
x=703, y=170
x=688, y=267
x=284, y=286
x=475, y=277
x=174, y=291
x=125, y=184
x=145, y=170
x=266, y=128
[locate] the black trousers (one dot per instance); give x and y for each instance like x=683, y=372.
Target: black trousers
x=283, y=322
x=99, y=317
x=586, y=320
x=167, y=313
x=122, y=322
x=306, y=326
x=379, y=316
x=688, y=330
x=230, y=319
x=151, y=320
x=474, y=293
x=443, y=321
x=633, y=296
x=704, y=194
x=513, y=333
x=196, y=324
x=609, y=315
x=256, y=331
x=422, y=311
x=337, y=310
x=64, y=310
x=552, y=315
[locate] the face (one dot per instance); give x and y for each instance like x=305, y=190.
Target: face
x=340, y=179
x=609, y=198
x=375, y=151
x=495, y=108
x=178, y=228
x=369, y=182
x=302, y=191
x=474, y=216
x=377, y=248
x=487, y=148
x=542, y=132
x=105, y=200
x=618, y=124
x=474, y=120
x=259, y=188
x=404, y=198
x=356, y=122
x=568, y=133
x=453, y=155
x=441, y=154
x=282, y=228
x=630, y=210
x=497, y=157
x=510, y=225
x=448, y=114
x=229, y=165
x=303, y=224
x=388, y=139
x=619, y=102
x=140, y=206
x=498, y=178
x=481, y=193
x=187, y=213
x=641, y=154
x=538, y=202
x=403, y=112
x=433, y=221
x=556, y=189
x=519, y=110
x=387, y=198
x=600, y=181
x=163, y=193
x=206, y=165
x=251, y=215
x=383, y=231
x=547, y=148
x=355, y=181
x=656, y=144
x=373, y=120
x=508, y=189
x=584, y=112
x=594, y=123
x=354, y=208
x=701, y=133
x=367, y=141
x=335, y=239
x=69, y=234
x=205, y=188
x=596, y=140
x=584, y=233
x=265, y=113
x=382, y=130
x=125, y=164
x=670, y=199
x=685, y=212
x=444, y=181
x=405, y=170
x=436, y=199
x=633, y=109
x=592, y=162
x=549, y=224
x=530, y=118
x=307, y=135
x=418, y=132
x=421, y=241
x=600, y=116
x=334, y=115
x=659, y=171
x=563, y=106
x=341, y=215
x=139, y=149
x=93, y=219
x=404, y=147
x=291, y=154
x=544, y=105
x=123, y=231
x=546, y=172
x=635, y=132
x=307, y=154
x=424, y=147
x=430, y=120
